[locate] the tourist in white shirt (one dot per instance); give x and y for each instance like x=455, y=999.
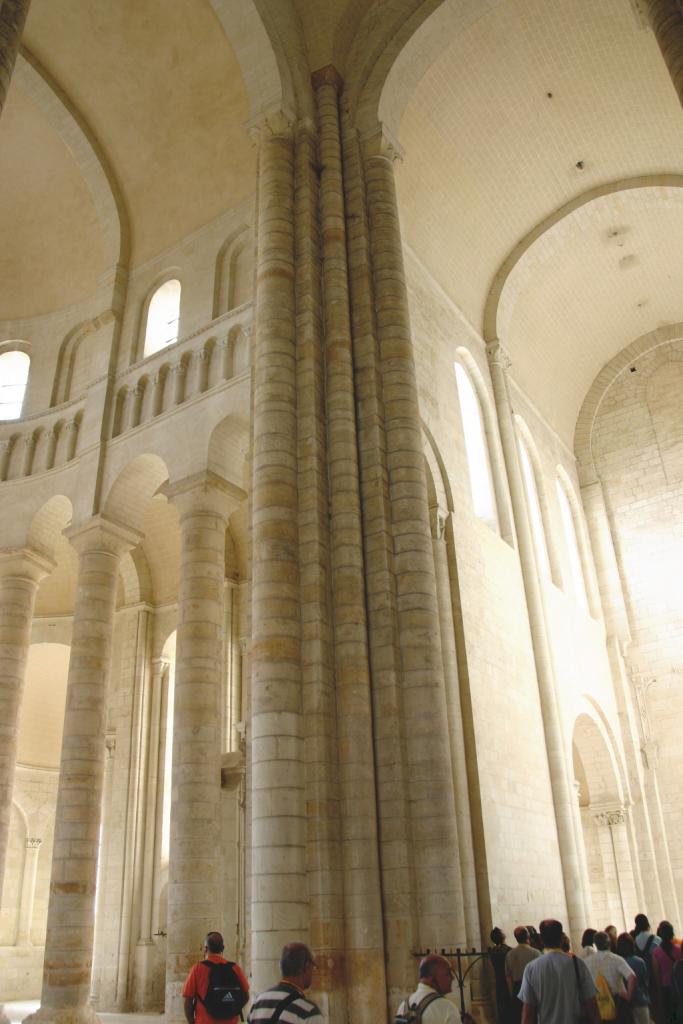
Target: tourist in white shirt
x=436, y=981
x=614, y=969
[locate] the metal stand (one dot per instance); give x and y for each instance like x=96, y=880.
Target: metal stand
x=461, y=967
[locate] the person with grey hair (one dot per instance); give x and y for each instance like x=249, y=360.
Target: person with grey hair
x=286, y=1002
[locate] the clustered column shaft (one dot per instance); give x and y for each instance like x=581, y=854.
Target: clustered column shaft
x=279, y=900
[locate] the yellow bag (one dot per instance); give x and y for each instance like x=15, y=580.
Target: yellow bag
x=605, y=1000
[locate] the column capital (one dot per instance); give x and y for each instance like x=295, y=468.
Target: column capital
x=610, y=815
x=381, y=142
x=438, y=517
x=24, y=563
x=278, y=122
x=102, y=534
x=327, y=75
x=204, y=492
x=33, y=843
x=497, y=354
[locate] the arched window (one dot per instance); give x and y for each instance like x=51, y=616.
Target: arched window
x=534, y=506
x=14, y=367
x=476, y=450
x=577, y=579
x=163, y=314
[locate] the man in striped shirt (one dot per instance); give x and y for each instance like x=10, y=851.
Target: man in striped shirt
x=286, y=1002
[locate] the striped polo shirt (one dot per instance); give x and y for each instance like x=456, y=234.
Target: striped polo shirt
x=299, y=1009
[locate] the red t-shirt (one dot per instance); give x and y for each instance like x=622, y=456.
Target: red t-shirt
x=197, y=984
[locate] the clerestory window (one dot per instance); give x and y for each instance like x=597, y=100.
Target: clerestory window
x=476, y=450
x=14, y=368
x=163, y=315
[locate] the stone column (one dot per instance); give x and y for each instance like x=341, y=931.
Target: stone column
x=563, y=798
x=469, y=932
x=12, y=19
x=613, y=820
x=71, y=911
x=28, y=891
x=364, y=946
x=178, y=370
x=5, y=454
x=29, y=451
x=581, y=846
x=279, y=909
x=21, y=570
x=427, y=746
x=195, y=865
x=666, y=19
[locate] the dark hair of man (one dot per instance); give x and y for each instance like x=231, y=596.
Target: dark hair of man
x=666, y=933
x=642, y=924
x=214, y=943
x=551, y=933
x=625, y=945
x=601, y=940
x=588, y=937
x=294, y=958
x=497, y=936
x=521, y=934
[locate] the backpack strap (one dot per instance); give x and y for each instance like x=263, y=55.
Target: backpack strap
x=648, y=944
x=283, y=1006
x=423, y=1004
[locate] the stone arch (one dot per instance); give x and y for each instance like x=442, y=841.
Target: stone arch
x=266, y=39
x=68, y=356
x=233, y=281
x=582, y=541
x=135, y=579
x=525, y=434
x=603, y=382
x=492, y=329
x=84, y=148
x=227, y=450
x=48, y=523
x=604, y=818
x=134, y=486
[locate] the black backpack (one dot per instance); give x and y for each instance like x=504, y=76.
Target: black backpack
x=408, y=1014
x=224, y=997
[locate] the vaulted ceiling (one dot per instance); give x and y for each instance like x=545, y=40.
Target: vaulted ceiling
x=521, y=121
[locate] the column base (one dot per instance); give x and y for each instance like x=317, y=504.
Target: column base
x=63, y=1015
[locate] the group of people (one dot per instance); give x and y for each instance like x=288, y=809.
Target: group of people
x=628, y=978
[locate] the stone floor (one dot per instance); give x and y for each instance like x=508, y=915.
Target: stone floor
x=17, y=1011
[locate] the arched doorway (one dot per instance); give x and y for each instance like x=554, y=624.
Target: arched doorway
x=605, y=826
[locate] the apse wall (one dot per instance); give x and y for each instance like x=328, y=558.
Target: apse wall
x=637, y=449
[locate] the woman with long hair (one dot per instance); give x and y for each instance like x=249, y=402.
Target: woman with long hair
x=640, y=1005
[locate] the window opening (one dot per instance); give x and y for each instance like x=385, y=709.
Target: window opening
x=576, y=576
x=534, y=506
x=163, y=315
x=14, y=367
x=476, y=450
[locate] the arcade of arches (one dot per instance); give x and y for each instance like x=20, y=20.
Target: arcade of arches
x=341, y=515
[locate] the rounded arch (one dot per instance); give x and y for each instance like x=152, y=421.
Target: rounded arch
x=81, y=143
x=601, y=385
x=264, y=48
x=595, y=758
x=491, y=327
x=47, y=524
x=227, y=450
x=233, y=263
x=129, y=494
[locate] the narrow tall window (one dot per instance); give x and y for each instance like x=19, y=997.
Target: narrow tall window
x=576, y=577
x=476, y=450
x=163, y=315
x=534, y=506
x=14, y=367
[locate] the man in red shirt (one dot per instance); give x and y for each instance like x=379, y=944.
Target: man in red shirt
x=197, y=985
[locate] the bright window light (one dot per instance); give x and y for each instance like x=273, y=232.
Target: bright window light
x=476, y=449
x=14, y=368
x=168, y=763
x=162, y=317
x=537, y=531
x=578, y=582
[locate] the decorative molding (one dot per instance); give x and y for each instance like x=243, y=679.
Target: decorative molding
x=33, y=843
x=610, y=817
x=498, y=355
